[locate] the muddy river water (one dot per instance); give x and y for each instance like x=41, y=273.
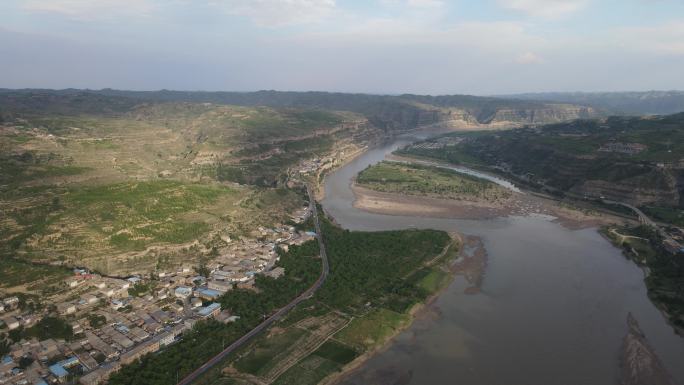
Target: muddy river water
x=552, y=309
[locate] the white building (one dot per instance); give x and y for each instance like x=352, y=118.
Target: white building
x=220, y=286
x=11, y=323
x=183, y=292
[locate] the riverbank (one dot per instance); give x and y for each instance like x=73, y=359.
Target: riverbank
x=449, y=263
x=531, y=263
x=518, y=204
x=319, y=182
x=662, y=271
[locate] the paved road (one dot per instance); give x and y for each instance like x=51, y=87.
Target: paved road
x=277, y=315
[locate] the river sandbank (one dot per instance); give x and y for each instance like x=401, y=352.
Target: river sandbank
x=518, y=204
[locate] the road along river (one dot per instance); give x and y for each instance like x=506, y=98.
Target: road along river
x=552, y=308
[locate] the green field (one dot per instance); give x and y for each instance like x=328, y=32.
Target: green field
x=310, y=371
x=414, y=179
x=373, y=329
x=335, y=351
x=260, y=359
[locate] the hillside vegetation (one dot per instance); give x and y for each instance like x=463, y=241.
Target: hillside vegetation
x=634, y=160
x=386, y=112
x=633, y=103
x=122, y=185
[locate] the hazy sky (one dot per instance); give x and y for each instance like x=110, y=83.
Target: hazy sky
x=378, y=46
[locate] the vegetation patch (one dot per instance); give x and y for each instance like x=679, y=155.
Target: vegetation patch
x=257, y=361
x=310, y=371
x=337, y=352
x=15, y=272
x=414, y=179
x=434, y=280
x=669, y=215
x=373, y=329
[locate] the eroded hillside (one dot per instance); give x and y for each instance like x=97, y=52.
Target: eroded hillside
x=149, y=185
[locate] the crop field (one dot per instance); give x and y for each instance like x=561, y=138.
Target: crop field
x=268, y=350
x=422, y=180
x=372, y=329
x=271, y=356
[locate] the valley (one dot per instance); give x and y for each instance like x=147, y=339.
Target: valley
x=170, y=223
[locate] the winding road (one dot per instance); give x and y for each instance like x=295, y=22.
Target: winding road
x=281, y=312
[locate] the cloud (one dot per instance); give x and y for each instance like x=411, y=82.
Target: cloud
x=545, y=8
x=276, y=13
x=90, y=9
x=529, y=58
x=500, y=37
x=425, y=3
x=666, y=38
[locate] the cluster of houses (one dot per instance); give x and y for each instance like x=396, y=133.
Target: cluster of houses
x=116, y=321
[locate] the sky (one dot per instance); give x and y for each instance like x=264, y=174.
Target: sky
x=480, y=47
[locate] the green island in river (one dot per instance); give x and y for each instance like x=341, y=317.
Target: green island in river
x=431, y=181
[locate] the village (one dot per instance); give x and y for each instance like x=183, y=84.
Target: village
x=112, y=322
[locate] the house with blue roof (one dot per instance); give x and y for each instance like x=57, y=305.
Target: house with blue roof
x=58, y=371
x=210, y=311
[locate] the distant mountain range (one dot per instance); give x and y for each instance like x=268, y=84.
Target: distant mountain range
x=617, y=103
x=389, y=112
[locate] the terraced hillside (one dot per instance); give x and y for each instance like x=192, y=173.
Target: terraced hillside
x=634, y=160
x=121, y=186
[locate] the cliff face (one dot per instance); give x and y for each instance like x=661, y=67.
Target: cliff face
x=547, y=115
x=410, y=116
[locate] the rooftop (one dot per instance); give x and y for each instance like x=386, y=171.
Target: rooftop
x=58, y=370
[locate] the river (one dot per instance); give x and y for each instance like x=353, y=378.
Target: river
x=552, y=309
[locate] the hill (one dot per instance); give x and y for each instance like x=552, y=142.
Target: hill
x=388, y=112
x=634, y=160
x=121, y=185
x=624, y=103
